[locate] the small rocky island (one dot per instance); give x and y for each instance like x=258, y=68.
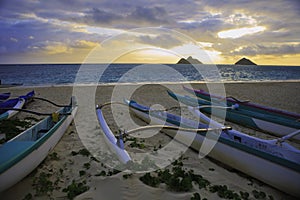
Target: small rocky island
x=244, y=61
x=189, y=60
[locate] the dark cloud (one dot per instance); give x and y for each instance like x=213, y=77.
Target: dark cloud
x=21, y=31
x=279, y=14
x=28, y=25
x=264, y=6
x=98, y=16
x=259, y=49
x=150, y=15
x=137, y=17
x=30, y=35
x=214, y=25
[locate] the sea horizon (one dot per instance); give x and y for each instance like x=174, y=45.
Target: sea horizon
x=133, y=63
x=47, y=74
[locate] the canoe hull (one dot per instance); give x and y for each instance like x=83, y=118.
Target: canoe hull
x=10, y=113
x=280, y=177
x=17, y=103
x=4, y=96
x=276, y=129
x=247, y=105
x=110, y=139
x=241, y=117
x=26, y=165
x=257, y=124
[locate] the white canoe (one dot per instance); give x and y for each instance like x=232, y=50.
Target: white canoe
x=22, y=154
x=275, y=164
x=117, y=147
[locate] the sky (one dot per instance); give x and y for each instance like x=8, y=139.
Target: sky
x=149, y=31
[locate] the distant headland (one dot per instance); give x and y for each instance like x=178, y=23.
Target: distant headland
x=244, y=61
x=189, y=60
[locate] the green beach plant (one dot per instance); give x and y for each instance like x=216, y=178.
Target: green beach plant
x=102, y=173
x=83, y=152
x=43, y=185
x=28, y=196
x=126, y=176
x=74, y=189
x=87, y=165
x=196, y=196
x=82, y=173
x=179, y=179
x=13, y=127
x=53, y=156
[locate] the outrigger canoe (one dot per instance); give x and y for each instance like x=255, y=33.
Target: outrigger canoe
x=16, y=103
x=4, y=96
x=266, y=122
x=274, y=162
x=114, y=144
x=243, y=104
x=22, y=154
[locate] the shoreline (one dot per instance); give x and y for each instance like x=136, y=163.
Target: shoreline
x=283, y=95
x=145, y=83
x=240, y=90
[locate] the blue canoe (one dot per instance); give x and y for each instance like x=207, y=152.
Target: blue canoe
x=4, y=96
x=16, y=103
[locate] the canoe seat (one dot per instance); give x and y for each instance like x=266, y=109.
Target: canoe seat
x=12, y=149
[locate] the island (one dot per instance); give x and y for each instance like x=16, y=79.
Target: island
x=244, y=61
x=189, y=60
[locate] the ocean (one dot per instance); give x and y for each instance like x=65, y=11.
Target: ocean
x=68, y=74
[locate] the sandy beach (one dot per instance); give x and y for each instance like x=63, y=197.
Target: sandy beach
x=66, y=163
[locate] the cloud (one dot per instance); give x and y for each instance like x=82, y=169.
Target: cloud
x=97, y=16
x=163, y=40
x=27, y=25
x=3, y=49
x=32, y=33
x=57, y=48
x=268, y=49
x=210, y=24
x=67, y=47
x=240, y=32
x=148, y=14
x=84, y=44
x=137, y=16
x=250, y=7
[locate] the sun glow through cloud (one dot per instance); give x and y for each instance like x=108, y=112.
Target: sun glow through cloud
x=240, y=32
